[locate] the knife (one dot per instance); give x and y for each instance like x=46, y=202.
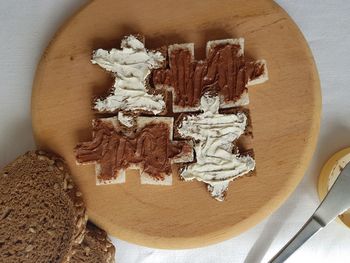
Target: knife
x=336, y=202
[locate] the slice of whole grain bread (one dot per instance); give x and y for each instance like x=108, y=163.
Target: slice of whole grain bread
x=42, y=214
x=95, y=248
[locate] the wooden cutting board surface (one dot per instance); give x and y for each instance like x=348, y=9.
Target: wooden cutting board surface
x=285, y=113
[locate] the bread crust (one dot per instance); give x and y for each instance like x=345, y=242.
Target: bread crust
x=74, y=194
x=44, y=165
x=95, y=246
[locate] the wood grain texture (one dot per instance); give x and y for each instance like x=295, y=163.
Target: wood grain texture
x=285, y=112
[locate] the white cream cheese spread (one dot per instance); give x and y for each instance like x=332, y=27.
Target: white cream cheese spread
x=131, y=66
x=213, y=134
x=126, y=120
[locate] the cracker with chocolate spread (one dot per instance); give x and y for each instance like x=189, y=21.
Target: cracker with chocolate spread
x=225, y=70
x=147, y=145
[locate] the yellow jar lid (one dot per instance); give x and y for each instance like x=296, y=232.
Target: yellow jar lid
x=329, y=173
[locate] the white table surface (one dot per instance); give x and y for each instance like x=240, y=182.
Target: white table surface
x=27, y=27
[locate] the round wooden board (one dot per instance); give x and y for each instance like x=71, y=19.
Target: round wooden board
x=285, y=113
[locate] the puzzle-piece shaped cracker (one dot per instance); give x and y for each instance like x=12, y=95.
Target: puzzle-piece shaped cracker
x=225, y=70
x=147, y=146
x=218, y=82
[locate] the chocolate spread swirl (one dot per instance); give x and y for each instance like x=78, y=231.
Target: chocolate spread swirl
x=225, y=70
x=150, y=148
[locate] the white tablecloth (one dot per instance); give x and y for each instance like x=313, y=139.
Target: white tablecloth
x=25, y=30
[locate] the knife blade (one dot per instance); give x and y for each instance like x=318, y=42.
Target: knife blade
x=336, y=202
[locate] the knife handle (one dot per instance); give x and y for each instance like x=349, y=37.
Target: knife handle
x=311, y=227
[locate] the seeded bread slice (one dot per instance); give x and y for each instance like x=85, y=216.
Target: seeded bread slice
x=95, y=248
x=42, y=214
